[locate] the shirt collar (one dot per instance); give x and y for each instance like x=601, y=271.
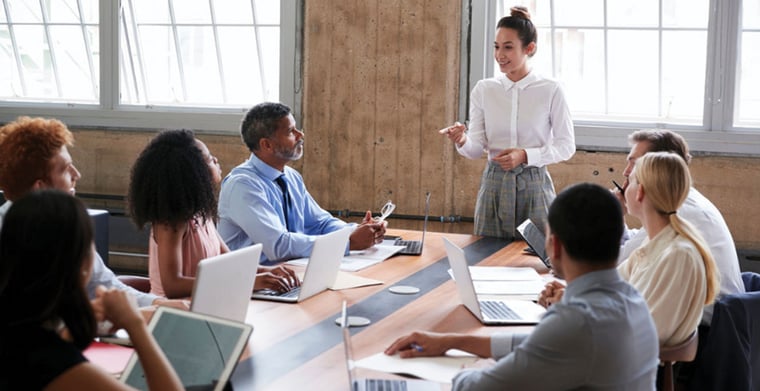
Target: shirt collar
x=520, y=84
x=588, y=281
x=263, y=169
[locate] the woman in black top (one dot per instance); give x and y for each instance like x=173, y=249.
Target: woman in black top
x=46, y=253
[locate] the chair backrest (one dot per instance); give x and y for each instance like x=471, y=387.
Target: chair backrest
x=730, y=356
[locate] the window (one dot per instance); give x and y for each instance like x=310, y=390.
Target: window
x=629, y=64
x=147, y=63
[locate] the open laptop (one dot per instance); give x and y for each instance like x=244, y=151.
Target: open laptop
x=489, y=312
x=365, y=384
x=536, y=240
x=202, y=349
x=223, y=284
x=414, y=247
x=321, y=270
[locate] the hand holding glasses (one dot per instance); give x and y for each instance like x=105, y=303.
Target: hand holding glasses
x=385, y=211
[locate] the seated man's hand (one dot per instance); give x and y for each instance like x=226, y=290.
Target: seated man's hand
x=551, y=294
x=419, y=344
x=367, y=234
x=276, y=278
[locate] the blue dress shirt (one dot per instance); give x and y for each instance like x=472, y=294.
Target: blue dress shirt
x=251, y=211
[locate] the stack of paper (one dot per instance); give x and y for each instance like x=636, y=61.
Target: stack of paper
x=358, y=260
x=440, y=369
x=515, y=282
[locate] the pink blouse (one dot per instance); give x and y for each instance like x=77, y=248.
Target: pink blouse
x=199, y=242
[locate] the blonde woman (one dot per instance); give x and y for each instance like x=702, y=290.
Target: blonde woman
x=673, y=269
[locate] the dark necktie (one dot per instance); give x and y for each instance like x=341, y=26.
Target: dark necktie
x=287, y=204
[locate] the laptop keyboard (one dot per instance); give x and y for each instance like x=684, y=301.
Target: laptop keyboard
x=291, y=293
x=412, y=246
x=497, y=310
x=382, y=385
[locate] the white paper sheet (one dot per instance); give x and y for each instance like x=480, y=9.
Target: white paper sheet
x=439, y=369
x=358, y=260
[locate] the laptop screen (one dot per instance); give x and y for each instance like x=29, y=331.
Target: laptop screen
x=535, y=239
x=427, y=215
x=203, y=350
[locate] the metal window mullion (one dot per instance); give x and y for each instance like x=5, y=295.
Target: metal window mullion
x=51, y=48
x=109, y=48
x=178, y=50
x=88, y=50
x=723, y=52
x=138, y=50
x=258, y=48
x=552, y=35
x=606, y=61
x=218, y=50
x=659, y=62
x=14, y=43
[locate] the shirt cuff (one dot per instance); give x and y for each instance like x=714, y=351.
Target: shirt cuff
x=533, y=155
x=501, y=345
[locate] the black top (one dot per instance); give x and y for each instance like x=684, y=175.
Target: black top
x=31, y=358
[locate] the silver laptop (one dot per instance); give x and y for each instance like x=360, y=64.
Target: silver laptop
x=536, y=240
x=365, y=384
x=489, y=312
x=414, y=247
x=321, y=270
x=202, y=349
x=223, y=284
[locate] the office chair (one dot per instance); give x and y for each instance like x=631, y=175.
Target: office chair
x=686, y=351
x=140, y=283
x=730, y=357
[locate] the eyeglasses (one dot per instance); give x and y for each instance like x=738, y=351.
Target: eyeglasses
x=386, y=211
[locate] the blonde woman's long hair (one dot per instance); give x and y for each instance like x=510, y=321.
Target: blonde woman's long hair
x=666, y=180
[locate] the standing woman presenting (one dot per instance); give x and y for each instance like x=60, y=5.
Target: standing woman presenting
x=522, y=121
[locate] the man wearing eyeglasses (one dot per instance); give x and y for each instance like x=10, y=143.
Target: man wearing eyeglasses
x=265, y=201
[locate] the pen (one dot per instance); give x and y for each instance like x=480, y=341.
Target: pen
x=618, y=186
x=416, y=347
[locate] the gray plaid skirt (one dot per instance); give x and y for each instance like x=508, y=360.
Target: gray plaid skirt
x=507, y=198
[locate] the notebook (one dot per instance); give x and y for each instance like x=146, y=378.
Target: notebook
x=536, y=240
x=489, y=312
x=321, y=270
x=223, y=284
x=365, y=384
x=202, y=349
x=414, y=247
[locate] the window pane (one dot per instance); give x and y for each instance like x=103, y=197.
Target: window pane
x=3, y=19
x=751, y=14
x=579, y=13
x=633, y=70
x=540, y=10
x=685, y=13
x=154, y=71
x=10, y=84
x=37, y=69
x=633, y=13
x=73, y=62
x=241, y=67
x=267, y=12
x=199, y=64
x=149, y=11
x=748, y=105
x=684, y=55
x=62, y=11
x=233, y=11
x=581, y=69
x=191, y=11
x=161, y=71
x=25, y=11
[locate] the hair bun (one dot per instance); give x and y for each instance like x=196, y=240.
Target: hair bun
x=520, y=11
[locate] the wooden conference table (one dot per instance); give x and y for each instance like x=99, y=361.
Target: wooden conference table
x=299, y=346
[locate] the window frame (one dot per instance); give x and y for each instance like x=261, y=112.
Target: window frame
x=716, y=135
x=109, y=114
